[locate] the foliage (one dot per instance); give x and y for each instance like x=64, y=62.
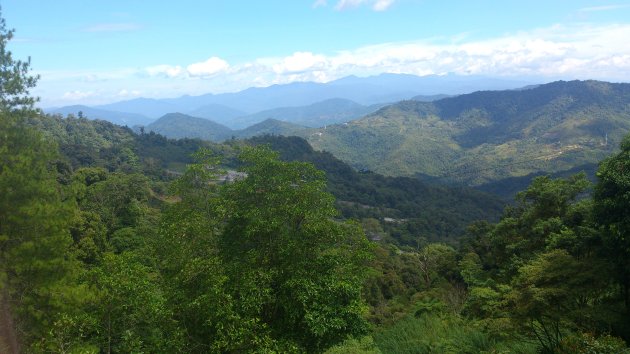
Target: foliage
x=15, y=80
x=363, y=345
x=612, y=203
x=587, y=343
x=295, y=268
x=486, y=136
x=543, y=266
x=130, y=310
x=432, y=333
x=36, y=273
x=178, y=125
x=96, y=256
x=417, y=211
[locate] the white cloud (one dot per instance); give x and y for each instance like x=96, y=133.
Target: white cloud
x=581, y=51
x=320, y=3
x=77, y=95
x=382, y=5
x=299, y=62
x=348, y=4
x=169, y=71
x=209, y=67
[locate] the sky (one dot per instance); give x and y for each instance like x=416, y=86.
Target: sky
x=100, y=51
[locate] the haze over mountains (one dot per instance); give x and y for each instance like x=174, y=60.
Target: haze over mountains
x=120, y=118
x=474, y=138
x=306, y=100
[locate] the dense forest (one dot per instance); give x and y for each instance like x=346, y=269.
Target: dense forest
x=486, y=136
x=119, y=242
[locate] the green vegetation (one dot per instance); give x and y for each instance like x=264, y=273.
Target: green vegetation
x=109, y=245
x=320, y=114
x=405, y=211
x=177, y=125
x=486, y=136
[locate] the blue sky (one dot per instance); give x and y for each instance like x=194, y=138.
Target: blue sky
x=99, y=51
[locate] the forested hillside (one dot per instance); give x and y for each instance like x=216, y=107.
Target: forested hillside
x=402, y=210
x=177, y=126
x=488, y=135
x=119, y=242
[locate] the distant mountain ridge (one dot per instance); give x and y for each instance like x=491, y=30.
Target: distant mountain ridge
x=319, y=114
x=120, y=118
x=179, y=125
x=218, y=113
x=487, y=135
x=366, y=91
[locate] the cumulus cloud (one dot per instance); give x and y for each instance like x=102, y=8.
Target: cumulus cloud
x=169, y=71
x=581, y=51
x=209, y=67
x=299, y=62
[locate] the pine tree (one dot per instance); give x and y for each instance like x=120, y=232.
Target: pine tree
x=34, y=237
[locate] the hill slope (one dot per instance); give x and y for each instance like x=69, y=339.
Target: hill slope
x=487, y=135
x=217, y=113
x=271, y=127
x=178, y=125
x=407, y=208
x=331, y=111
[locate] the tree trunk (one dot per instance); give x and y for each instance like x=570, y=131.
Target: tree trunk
x=9, y=342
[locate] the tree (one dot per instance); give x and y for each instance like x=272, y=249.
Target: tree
x=34, y=237
x=612, y=211
x=291, y=267
x=15, y=80
x=130, y=313
x=541, y=265
x=436, y=260
x=186, y=254
x=553, y=293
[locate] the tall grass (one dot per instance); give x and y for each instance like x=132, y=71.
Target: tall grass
x=433, y=333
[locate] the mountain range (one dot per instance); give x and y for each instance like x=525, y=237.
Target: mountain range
x=487, y=135
x=303, y=100
x=179, y=125
x=319, y=114
x=120, y=118
x=475, y=139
